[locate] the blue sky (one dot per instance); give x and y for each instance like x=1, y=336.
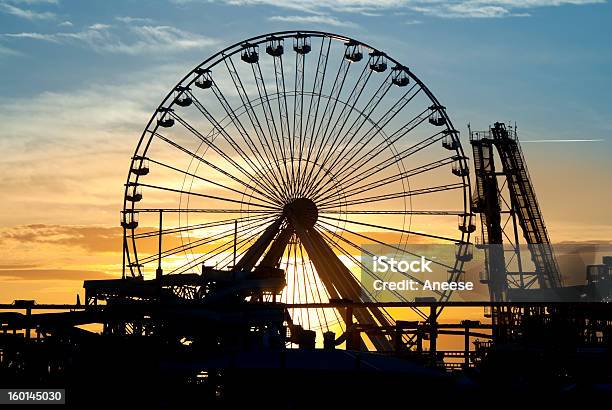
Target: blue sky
x=81, y=78
x=549, y=58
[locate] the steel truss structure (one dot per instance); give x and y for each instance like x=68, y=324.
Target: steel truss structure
x=504, y=215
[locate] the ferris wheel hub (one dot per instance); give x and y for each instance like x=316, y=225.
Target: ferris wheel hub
x=304, y=209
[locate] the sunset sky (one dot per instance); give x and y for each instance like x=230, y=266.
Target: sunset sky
x=81, y=79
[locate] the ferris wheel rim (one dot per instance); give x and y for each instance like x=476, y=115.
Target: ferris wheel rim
x=231, y=50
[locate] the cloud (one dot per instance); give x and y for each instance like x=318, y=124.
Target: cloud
x=317, y=19
x=94, y=240
x=160, y=39
x=465, y=10
x=133, y=41
x=34, y=36
x=130, y=20
x=99, y=26
x=66, y=24
x=17, y=266
x=26, y=13
x=72, y=147
x=413, y=22
x=434, y=8
x=90, y=238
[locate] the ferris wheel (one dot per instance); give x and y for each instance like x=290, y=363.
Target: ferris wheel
x=296, y=150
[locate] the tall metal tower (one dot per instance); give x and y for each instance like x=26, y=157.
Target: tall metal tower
x=506, y=200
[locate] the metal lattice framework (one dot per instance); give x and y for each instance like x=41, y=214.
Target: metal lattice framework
x=295, y=150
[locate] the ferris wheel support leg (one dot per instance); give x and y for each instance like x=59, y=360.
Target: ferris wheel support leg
x=250, y=258
x=335, y=275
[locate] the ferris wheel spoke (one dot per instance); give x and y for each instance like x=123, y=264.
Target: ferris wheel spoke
x=283, y=117
x=273, y=129
x=264, y=101
x=224, y=247
x=390, y=179
x=387, y=142
x=316, y=294
x=258, y=179
x=313, y=106
x=254, y=119
x=372, y=104
x=203, y=241
x=209, y=210
x=366, y=252
x=193, y=227
x=364, y=268
x=344, y=160
x=444, y=238
x=371, y=274
x=328, y=112
x=394, y=195
x=241, y=249
x=366, y=113
x=213, y=182
x=298, y=107
x=343, y=117
x=393, y=160
x=270, y=120
x=387, y=245
x=306, y=289
x=391, y=212
x=369, y=297
x=213, y=166
x=322, y=291
x=351, y=177
x=355, y=163
x=256, y=165
x=218, y=198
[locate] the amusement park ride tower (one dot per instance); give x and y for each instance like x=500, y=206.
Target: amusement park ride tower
x=502, y=216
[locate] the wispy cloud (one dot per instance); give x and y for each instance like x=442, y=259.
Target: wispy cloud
x=161, y=39
x=71, y=147
x=467, y=10
x=34, y=36
x=25, y=13
x=435, y=8
x=133, y=40
x=99, y=26
x=316, y=19
x=65, y=24
x=131, y=20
